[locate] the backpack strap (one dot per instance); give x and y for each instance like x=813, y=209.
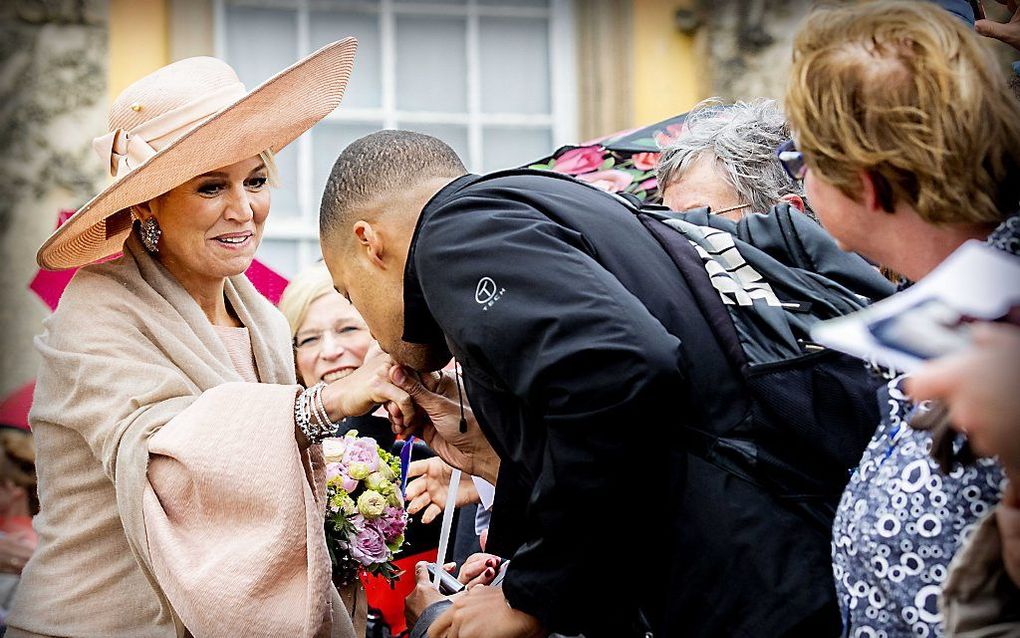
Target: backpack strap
x=692, y=269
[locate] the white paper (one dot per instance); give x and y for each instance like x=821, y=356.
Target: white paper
x=929, y=318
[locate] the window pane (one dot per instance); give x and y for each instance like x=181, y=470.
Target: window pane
x=280, y=254
x=329, y=139
x=430, y=63
x=260, y=42
x=514, y=3
x=454, y=135
x=507, y=147
x=365, y=88
x=313, y=253
x=514, y=57
x=285, y=199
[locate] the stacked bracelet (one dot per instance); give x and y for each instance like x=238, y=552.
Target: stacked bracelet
x=311, y=417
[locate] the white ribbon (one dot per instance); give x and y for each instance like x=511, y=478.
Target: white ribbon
x=126, y=150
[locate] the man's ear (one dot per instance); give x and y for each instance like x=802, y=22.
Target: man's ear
x=796, y=201
x=369, y=241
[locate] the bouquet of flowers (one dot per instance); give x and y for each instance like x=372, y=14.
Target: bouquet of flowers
x=365, y=517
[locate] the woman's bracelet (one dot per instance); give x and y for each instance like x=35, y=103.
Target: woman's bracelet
x=311, y=417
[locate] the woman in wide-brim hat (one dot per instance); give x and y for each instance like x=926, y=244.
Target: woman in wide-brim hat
x=181, y=487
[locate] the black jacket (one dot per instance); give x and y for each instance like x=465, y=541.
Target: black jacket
x=574, y=330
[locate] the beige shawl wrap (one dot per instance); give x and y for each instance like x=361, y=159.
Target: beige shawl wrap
x=175, y=500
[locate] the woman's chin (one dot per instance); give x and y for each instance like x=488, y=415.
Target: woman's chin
x=231, y=267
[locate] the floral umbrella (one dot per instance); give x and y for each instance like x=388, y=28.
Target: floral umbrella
x=623, y=162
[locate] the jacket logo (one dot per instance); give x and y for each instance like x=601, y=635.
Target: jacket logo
x=487, y=292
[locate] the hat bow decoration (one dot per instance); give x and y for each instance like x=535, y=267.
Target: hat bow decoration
x=126, y=150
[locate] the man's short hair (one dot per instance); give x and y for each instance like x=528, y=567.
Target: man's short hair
x=380, y=163
x=742, y=138
x=905, y=92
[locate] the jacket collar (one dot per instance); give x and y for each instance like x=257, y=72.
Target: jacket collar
x=419, y=324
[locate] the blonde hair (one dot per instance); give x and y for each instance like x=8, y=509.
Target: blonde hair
x=903, y=91
x=306, y=287
x=272, y=172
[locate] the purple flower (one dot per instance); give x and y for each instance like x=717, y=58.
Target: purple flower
x=392, y=523
x=363, y=450
x=368, y=545
x=333, y=471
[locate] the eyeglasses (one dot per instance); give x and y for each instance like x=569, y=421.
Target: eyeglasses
x=792, y=160
x=729, y=209
x=342, y=333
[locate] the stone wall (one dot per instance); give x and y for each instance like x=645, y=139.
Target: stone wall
x=747, y=44
x=53, y=101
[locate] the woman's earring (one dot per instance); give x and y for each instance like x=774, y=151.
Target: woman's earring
x=149, y=232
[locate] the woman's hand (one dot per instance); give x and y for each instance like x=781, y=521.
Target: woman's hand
x=479, y=569
x=469, y=450
x=431, y=486
x=366, y=387
x=1008, y=32
x=979, y=386
x=14, y=553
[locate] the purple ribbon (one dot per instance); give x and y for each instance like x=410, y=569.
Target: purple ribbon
x=405, y=463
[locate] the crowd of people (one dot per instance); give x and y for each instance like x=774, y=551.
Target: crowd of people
x=656, y=443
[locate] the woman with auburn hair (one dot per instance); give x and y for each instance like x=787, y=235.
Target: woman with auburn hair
x=180, y=479
x=909, y=145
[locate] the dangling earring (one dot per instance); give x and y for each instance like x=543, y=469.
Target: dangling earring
x=149, y=232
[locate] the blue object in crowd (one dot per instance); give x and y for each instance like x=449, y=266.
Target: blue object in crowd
x=959, y=8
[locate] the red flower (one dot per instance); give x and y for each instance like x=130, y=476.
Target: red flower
x=579, y=160
x=672, y=132
x=645, y=161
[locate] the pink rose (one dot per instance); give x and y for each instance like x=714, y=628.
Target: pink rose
x=349, y=484
x=611, y=180
x=645, y=161
x=579, y=160
x=363, y=450
x=368, y=545
x=649, y=184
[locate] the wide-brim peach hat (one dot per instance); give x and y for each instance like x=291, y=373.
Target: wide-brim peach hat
x=186, y=119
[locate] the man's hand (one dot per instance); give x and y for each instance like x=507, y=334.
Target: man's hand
x=483, y=612
x=429, y=489
x=1008, y=32
x=469, y=450
x=423, y=595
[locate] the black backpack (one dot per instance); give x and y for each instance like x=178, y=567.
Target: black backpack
x=807, y=412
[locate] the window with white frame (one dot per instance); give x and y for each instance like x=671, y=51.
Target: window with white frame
x=494, y=79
